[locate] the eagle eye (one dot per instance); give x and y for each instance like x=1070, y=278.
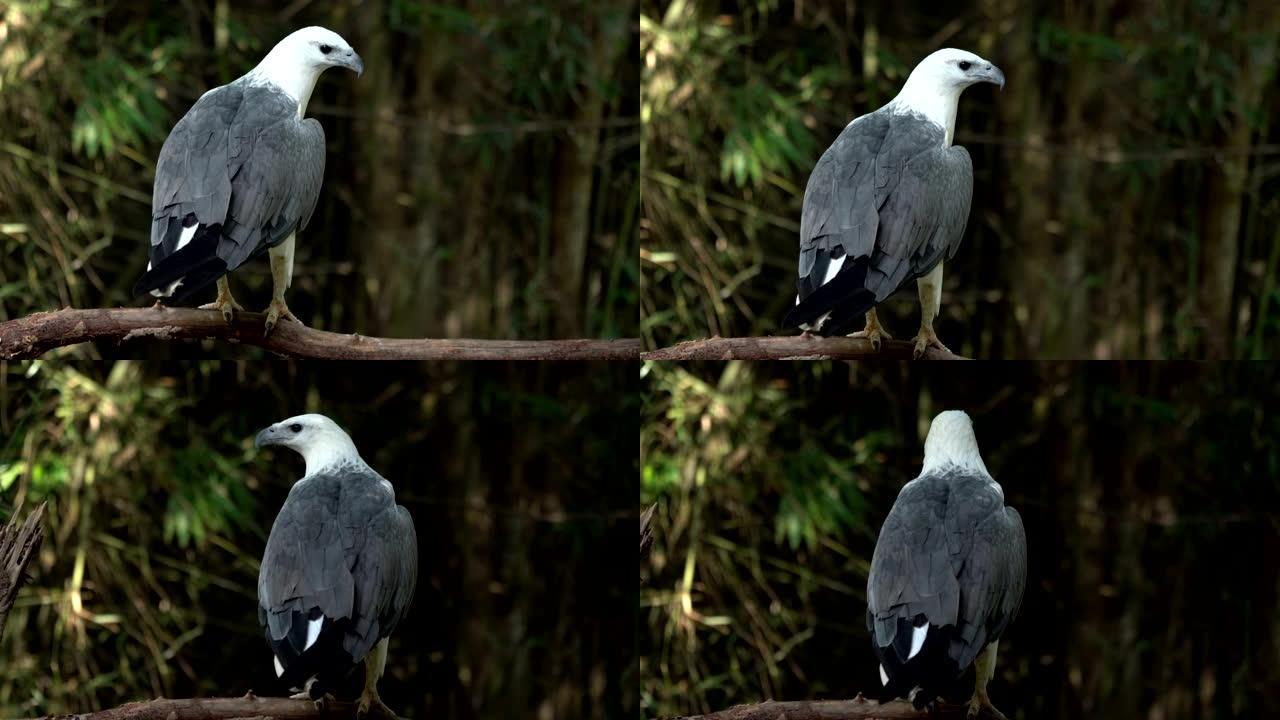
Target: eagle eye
x=296, y=427
x=326, y=49
x=965, y=64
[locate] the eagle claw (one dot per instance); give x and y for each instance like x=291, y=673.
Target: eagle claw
x=226, y=305
x=277, y=311
x=874, y=335
x=976, y=706
x=925, y=340
x=371, y=706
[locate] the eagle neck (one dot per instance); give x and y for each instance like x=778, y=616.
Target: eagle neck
x=336, y=453
x=923, y=96
x=286, y=74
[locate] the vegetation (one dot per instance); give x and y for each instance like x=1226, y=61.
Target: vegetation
x=1147, y=491
x=1126, y=189
x=481, y=176
x=159, y=510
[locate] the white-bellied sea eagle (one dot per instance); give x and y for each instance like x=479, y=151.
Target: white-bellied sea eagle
x=887, y=203
x=239, y=175
x=340, y=566
x=947, y=574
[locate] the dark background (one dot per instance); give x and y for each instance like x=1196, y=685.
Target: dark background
x=1126, y=180
x=1149, y=492
x=481, y=177
x=520, y=479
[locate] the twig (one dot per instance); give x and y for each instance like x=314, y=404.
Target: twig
x=34, y=335
x=858, y=708
x=241, y=708
x=798, y=347
x=18, y=544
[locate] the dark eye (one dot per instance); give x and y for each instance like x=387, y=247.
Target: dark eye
x=326, y=49
x=295, y=428
x=964, y=64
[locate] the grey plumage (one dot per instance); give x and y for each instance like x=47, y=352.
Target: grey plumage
x=891, y=198
x=950, y=552
x=340, y=545
x=245, y=170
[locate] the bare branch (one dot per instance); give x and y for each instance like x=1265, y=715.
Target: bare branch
x=241, y=708
x=858, y=708
x=18, y=544
x=34, y=335
x=796, y=347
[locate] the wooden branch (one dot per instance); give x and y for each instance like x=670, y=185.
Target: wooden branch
x=18, y=544
x=858, y=708
x=34, y=335
x=795, y=347
x=241, y=708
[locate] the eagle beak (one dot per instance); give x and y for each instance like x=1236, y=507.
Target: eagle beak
x=265, y=438
x=356, y=64
x=995, y=76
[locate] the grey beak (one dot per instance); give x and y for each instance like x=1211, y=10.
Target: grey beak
x=995, y=76
x=356, y=64
x=265, y=438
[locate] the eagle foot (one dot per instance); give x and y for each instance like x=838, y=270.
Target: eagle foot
x=925, y=340
x=371, y=706
x=875, y=334
x=277, y=311
x=226, y=305
x=978, y=704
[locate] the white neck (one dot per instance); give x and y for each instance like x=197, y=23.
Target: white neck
x=281, y=69
x=335, y=451
x=952, y=446
x=936, y=101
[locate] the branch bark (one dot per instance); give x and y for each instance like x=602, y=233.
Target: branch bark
x=34, y=335
x=18, y=544
x=241, y=708
x=858, y=708
x=796, y=347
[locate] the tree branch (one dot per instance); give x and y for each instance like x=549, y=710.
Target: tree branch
x=795, y=347
x=18, y=544
x=858, y=708
x=241, y=708
x=34, y=335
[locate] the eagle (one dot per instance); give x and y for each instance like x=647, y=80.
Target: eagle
x=887, y=203
x=340, y=566
x=947, y=574
x=239, y=175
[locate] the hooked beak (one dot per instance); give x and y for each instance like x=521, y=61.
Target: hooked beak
x=268, y=436
x=354, y=63
x=994, y=75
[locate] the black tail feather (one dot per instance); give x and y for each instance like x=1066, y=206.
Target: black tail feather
x=844, y=297
x=196, y=264
x=932, y=670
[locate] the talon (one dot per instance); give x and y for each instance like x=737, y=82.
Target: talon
x=371, y=705
x=925, y=340
x=874, y=335
x=277, y=311
x=226, y=305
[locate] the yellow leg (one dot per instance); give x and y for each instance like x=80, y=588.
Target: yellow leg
x=281, y=275
x=930, y=287
x=984, y=668
x=224, y=304
x=874, y=331
x=374, y=665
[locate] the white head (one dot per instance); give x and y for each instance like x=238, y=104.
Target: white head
x=934, y=87
x=295, y=63
x=951, y=442
x=316, y=438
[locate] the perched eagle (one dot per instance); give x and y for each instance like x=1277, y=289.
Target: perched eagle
x=340, y=566
x=887, y=203
x=239, y=175
x=948, y=572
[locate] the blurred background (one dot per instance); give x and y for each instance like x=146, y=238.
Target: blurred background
x=481, y=177
x=1126, y=181
x=1150, y=495
x=520, y=479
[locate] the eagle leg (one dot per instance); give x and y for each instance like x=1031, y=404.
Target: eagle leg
x=874, y=331
x=281, y=275
x=930, y=287
x=224, y=303
x=984, y=669
x=370, y=704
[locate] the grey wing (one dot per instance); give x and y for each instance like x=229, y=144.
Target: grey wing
x=238, y=174
x=386, y=574
x=304, y=565
x=992, y=581
x=923, y=218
